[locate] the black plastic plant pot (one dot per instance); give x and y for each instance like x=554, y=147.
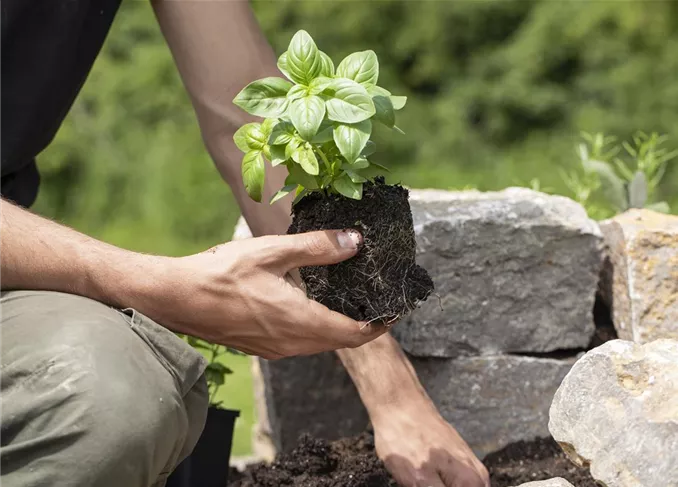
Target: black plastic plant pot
x=208, y=465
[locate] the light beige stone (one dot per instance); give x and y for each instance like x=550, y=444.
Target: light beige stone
x=616, y=411
x=640, y=276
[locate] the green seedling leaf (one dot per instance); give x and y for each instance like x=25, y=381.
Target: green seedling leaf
x=352, y=138
x=319, y=85
x=325, y=133
x=611, y=185
x=327, y=65
x=253, y=174
x=307, y=160
x=398, y=102
x=360, y=163
x=277, y=155
x=638, y=190
x=361, y=67
x=249, y=137
x=384, y=110
x=350, y=102
x=301, y=192
x=282, y=133
x=264, y=98
x=373, y=170
x=282, y=65
x=283, y=192
x=304, y=62
x=307, y=114
x=297, y=91
x=348, y=188
x=355, y=177
x=299, y=176
x=378, y=91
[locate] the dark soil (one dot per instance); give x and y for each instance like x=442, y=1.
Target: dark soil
x=383, y=282
x=352, y=463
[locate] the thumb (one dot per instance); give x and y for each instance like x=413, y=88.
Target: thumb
x=317, y=248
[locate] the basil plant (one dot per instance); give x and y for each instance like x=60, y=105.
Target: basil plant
x=317, y=123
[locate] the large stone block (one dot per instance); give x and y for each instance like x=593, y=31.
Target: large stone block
x=492, y=401
x=515, y=271
x=640, y=276
x=617, y=411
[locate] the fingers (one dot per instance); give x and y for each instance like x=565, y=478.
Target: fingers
x=342, y=331
x=313, y=248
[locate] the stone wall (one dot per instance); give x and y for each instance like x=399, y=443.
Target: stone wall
x=516, y=274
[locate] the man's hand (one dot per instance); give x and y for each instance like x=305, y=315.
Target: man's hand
x=420, y=449
x=241, y=295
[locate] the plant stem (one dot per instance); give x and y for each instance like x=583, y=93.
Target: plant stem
x=324, y=158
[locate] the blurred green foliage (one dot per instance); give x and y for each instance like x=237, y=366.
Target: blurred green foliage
x=498, y=94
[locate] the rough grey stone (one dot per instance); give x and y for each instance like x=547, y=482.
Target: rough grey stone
x=640, y=276
x=555, y=482
x=516, y=271
x=617, y=411
x=492, y=401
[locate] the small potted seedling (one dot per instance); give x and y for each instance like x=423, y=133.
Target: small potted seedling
x=318, y=124
x=208, y=464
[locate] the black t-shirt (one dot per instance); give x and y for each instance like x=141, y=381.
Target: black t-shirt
x=48, y=48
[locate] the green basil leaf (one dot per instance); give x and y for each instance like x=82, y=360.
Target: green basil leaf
x=350, y=103
x=373, y=170
x=355, y=177
x=348, y=188
x=267, y=128
x=325, y=133
x=398, y=102
x=253, y=174
x=282, y=65
x=301, y=192
x=385, y=112
x=240, y=138
x=362, y=67
x=327, y=65
x=319, y=85
x=265, y=97
x=304, y=62
x=277, y=155
x=292, y=147
x=297, y=91
x=370, y=148
x=360, y=163
x=283, y=192
x=378, y=91
x=282, y=133
x=306, y=114
x=250, y=137
x=307, y=160
x=298, y=176
x=351, y=139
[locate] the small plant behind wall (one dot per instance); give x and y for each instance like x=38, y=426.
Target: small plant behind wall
x=216, y=372
x=318, y=124
x=617, y=177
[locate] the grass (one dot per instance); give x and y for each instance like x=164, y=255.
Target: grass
x=237, y=393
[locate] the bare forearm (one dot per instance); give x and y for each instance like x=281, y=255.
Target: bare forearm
x=383, y=375
x=219, y=48
x=43, y=255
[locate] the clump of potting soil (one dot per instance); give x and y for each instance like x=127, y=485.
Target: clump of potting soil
x=383, y=282
x=352, y=462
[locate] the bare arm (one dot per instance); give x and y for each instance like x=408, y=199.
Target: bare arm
x=219, y=48
x=40, y=254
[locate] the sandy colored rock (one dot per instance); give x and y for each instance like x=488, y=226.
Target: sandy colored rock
x=515, y=271
x=640, y=276
x=617, y=412
x=556, y=482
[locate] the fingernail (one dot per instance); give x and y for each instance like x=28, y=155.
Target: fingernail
x=350, y=239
